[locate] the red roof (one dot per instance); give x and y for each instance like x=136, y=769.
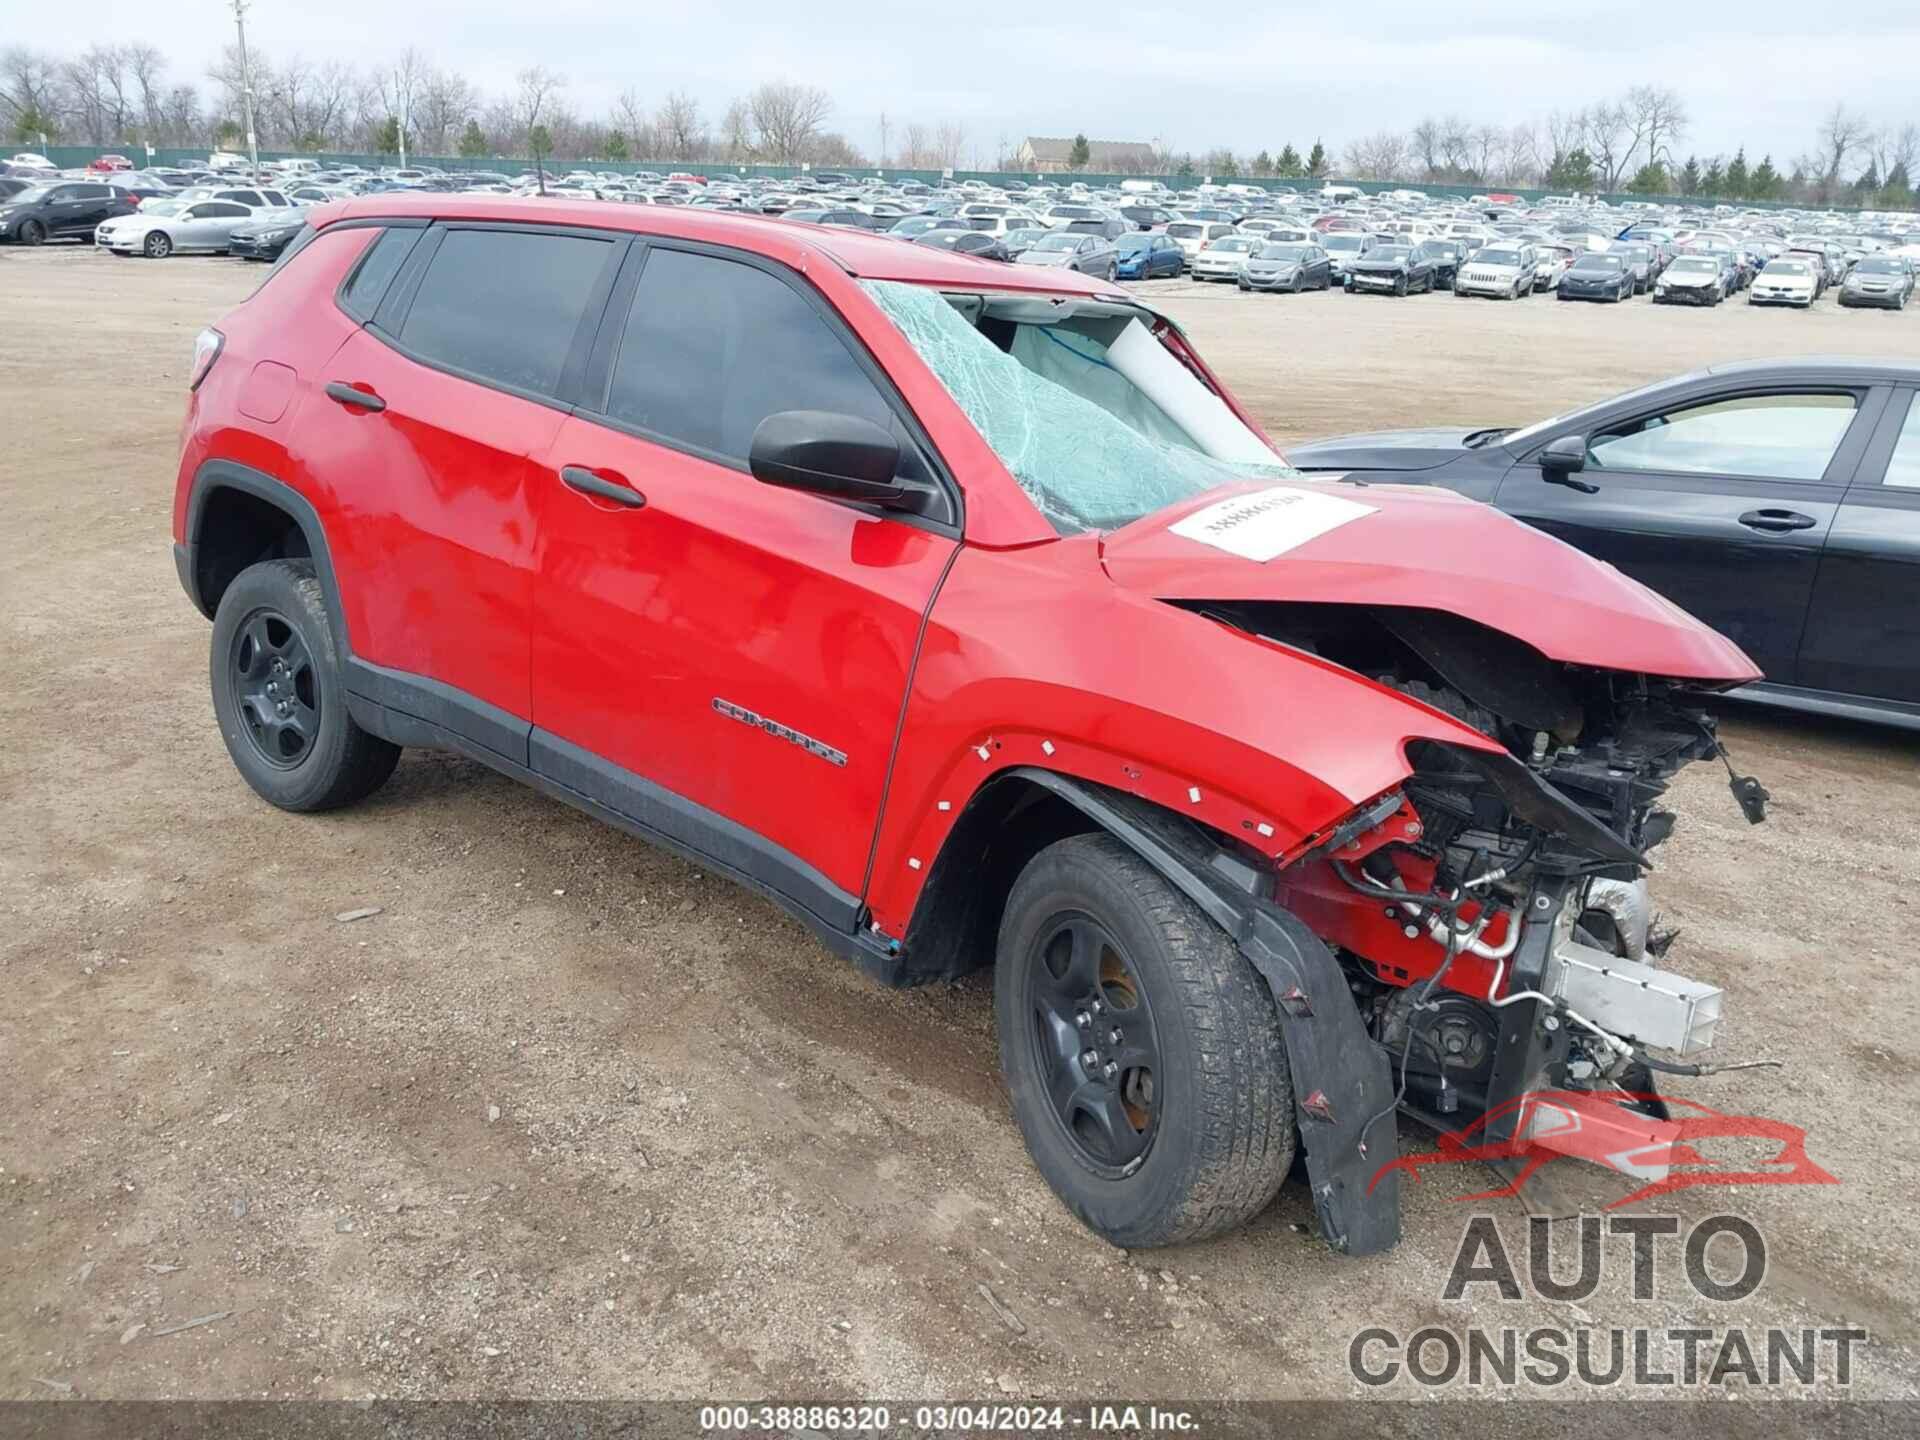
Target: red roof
x=872, y=257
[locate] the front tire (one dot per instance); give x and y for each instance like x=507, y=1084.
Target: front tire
x=158, y=245
x=279, y=693
x=1142, y=1052
x=32, y=232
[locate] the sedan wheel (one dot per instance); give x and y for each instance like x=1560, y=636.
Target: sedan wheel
x=158, y=246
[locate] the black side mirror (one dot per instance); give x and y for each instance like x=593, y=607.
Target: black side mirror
x=831, y=454
x=1562, y=458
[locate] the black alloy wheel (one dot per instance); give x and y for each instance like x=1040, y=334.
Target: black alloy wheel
x=271, y=673
x=1095, y=1038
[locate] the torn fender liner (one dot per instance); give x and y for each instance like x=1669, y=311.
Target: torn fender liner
x=1341, y=1079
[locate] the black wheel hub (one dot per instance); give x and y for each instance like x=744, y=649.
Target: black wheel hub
x=272, y=676
x=1095, y=1041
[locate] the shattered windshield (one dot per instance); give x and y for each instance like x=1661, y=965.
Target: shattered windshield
x=1095, y=419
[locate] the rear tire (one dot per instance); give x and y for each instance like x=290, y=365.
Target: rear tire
x=1194, y=1132
x=279, y=693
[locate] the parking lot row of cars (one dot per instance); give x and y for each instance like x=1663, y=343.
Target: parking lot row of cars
x=1401, y=243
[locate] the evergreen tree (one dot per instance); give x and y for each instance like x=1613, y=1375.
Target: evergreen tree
x=1317, y=165
x=616, y=145
x=1289, y=166
x=1868, y=185
x=1080, y=154
x=1690, y=177
x=1263, y=164
x=1898, y=191
x=1650, y=179
x=1714, y=182
x=32, y=122
x=1571, y=171
x=473, y=141
x=386, y=139
x=1739, y=183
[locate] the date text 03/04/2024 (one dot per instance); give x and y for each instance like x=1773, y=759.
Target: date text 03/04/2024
x=877, y=1419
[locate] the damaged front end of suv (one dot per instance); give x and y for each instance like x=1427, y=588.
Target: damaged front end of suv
x=1491, y=913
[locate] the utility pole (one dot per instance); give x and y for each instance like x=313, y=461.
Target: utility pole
x=883, y=138
x=246, y=87
x=403, y=86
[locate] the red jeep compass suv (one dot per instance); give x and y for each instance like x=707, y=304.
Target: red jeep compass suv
x=960, y=609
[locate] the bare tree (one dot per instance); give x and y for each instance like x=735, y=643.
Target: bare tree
x=29, y=86
x=182, y=125
x=148, y=69
x=1489, y=151
x=446, y=102
x=630, y=118
x=1606, y=132
x=1383, y=155
x=736, y=131
x=1656, y=118
x=949, y=143
x=678, y=129
x=788, y=118
x=1425, y=142
x=916, y=150
x=537, y=90
x=1840, y=135
x=1456, y=144
x=1526, y=159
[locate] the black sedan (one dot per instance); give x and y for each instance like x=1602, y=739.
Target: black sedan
x=1777, y=500
x=264, y=239
x=967, y=242
x=1447, y=257
x=1392, y=269
x=1598, y=275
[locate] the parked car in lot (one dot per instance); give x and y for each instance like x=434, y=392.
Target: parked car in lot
x=1193, y=236
x=661, y=512
x=63, y=209
x=1446, y=256
x=1784, y=282
x=1778, y=500
x=966, y=242
x=1504, y=271
x=1392, y=269
x=1287, y=265
x=1692, y=280
x=1144, y=255
x=1088, y=254
x=1342, y=248
x=1223, y=259
x=1642, y=259
x=107, y=164
x=1551, y=263
x=1882, y=280
x=1598, y=275
x=199, y=227
x=264, y=237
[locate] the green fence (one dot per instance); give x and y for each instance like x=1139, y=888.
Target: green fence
x=75, y=156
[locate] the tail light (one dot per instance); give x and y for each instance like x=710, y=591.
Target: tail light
x=206, y=349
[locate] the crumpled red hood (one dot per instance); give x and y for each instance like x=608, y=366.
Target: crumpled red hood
x=1418, y=546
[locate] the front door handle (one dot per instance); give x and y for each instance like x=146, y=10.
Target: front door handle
x=588, y=483
x=1777, y=521
x=357, y=398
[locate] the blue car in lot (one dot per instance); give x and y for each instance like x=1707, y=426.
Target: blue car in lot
x=1144, y=254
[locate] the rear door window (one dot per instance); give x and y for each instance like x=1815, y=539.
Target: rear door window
x=714, y=346
x=505, y=305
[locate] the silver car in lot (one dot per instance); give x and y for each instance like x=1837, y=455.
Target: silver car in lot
x=1065, y=250
x=1505, y=271
x=163, y=228
x=1224, y=259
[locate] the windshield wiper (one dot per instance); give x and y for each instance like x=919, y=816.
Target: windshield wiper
x=1486, y=437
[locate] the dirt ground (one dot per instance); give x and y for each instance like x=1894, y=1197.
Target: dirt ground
x=567, y=1119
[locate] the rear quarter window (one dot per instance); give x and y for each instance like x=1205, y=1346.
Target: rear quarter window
x=368, y=283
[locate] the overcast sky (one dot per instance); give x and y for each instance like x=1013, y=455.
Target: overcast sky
x=1760, y=74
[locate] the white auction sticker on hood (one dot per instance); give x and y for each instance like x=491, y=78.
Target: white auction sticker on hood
x=1264, y=523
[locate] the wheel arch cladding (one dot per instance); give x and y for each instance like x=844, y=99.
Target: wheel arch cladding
x=1342, y=1080
x=238, y=516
